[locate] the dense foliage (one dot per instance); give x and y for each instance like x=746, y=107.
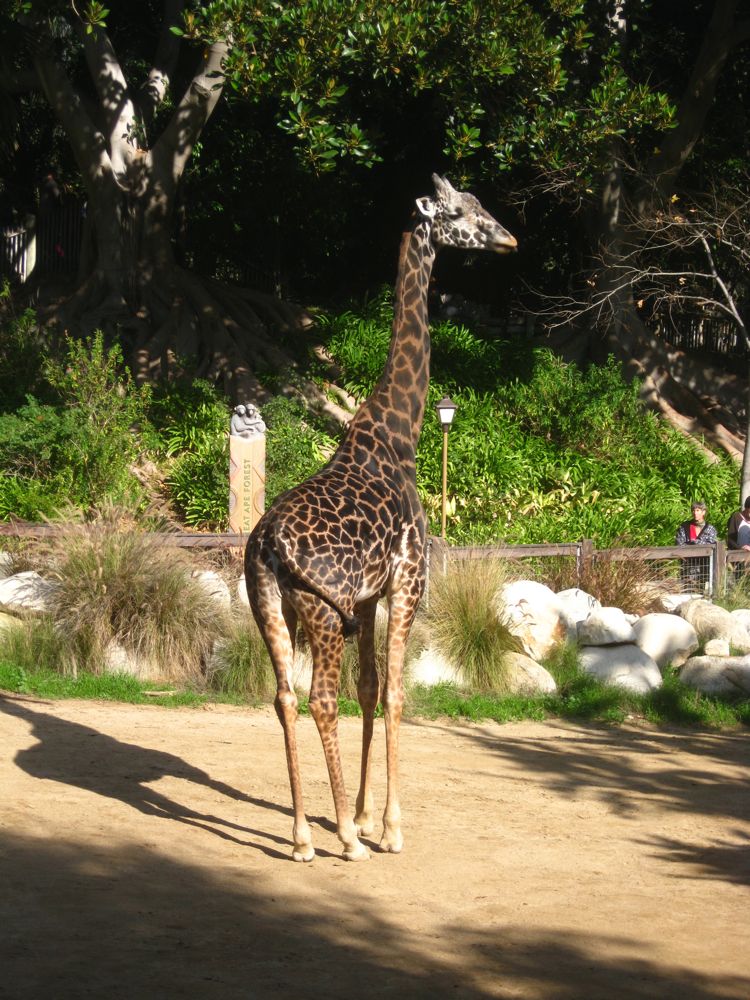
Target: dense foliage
x=540, y=451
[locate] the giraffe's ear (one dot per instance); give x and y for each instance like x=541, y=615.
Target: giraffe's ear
x=427, y=207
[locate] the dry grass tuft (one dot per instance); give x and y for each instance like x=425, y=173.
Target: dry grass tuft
x=115, y=583
x=633, y=585
x=466, y=625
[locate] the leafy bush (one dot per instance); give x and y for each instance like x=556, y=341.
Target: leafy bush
x=295, y=447
x=79, y=451
x=540, y=451
x=192, y=426
x=21, y=354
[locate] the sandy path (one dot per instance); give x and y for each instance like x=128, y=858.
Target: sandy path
x=144, y=852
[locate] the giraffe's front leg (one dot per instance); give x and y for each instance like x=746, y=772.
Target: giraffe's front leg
x=402, y=608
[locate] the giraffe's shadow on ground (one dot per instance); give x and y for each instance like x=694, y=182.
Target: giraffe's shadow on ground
x=83, y=757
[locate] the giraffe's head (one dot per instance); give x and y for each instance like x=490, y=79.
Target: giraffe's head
x=458, y=220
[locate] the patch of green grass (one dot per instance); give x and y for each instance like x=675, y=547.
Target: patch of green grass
x=449, y=700
x=46, y=683
x=579, y=697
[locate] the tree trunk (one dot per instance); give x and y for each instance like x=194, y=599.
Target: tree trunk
x=129, y=284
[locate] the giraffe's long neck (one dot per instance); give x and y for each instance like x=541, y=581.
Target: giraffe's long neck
x=401, y=392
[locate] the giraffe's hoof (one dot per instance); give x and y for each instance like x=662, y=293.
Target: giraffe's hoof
x=304, y=852
x=392, y=842
x=358, y=852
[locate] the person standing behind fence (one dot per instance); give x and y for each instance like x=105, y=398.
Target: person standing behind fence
x=738, y=528
x=696, y=572
x=738, y=535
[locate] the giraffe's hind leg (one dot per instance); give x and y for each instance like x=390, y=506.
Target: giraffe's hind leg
x=325, y=634
x=368, y=692
x=277, y=621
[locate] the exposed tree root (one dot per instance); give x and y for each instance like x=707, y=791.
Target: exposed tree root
x=230, y=336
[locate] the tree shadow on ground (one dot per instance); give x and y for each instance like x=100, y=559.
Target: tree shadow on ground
x=126, y=923
x=622, y=767
x=80, y=756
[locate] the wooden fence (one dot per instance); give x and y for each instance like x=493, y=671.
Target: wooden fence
x=719, y=566
x=714, y=562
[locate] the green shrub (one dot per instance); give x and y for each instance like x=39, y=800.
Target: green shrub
x=198, y=485
x=540, y=451
x=295, y=448
x=21, y=354
x=191, y=420
x=77, y=452
x=189, y=416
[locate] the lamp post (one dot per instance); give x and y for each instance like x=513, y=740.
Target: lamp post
x=445, y=410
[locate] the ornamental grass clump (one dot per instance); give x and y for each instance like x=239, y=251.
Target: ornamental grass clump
x=115, y=584
x=241, y=665
x=466, y=624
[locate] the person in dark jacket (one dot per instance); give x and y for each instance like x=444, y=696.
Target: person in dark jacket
x=695, y=573
x=738, y=528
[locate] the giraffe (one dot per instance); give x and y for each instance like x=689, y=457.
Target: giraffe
x=327, y=550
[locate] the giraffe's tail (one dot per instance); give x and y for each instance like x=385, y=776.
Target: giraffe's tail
x=350, y=623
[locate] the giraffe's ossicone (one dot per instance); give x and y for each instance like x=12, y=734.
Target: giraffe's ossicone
x=329, y=549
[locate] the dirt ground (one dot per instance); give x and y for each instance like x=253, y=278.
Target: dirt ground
x=145, y=852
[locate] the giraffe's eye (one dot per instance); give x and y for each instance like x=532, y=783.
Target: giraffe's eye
x=455, y=213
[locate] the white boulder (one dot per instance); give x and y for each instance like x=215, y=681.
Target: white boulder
x=743, y=617
x=6, y=563
x=215, y=587
x=431, y=668
x=525, y=676
x=717, y=647
x=718, y=675
x=605, y=627
x=671, y=602
x=625, y=665
x=666, y=638
x=28, y=591
x=8, y=621
x=712, y=622
x=577, y=605
x=241, y=592
x=534, y=615
x=120, y=660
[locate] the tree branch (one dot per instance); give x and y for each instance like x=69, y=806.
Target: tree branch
x=155, y=86
x=114, y=97
x=191, y=114
x=86, y=140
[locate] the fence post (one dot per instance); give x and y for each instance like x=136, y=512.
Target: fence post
x=719, y=581
x=585, y=556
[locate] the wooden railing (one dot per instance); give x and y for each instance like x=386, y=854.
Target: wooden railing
x=721, y=559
